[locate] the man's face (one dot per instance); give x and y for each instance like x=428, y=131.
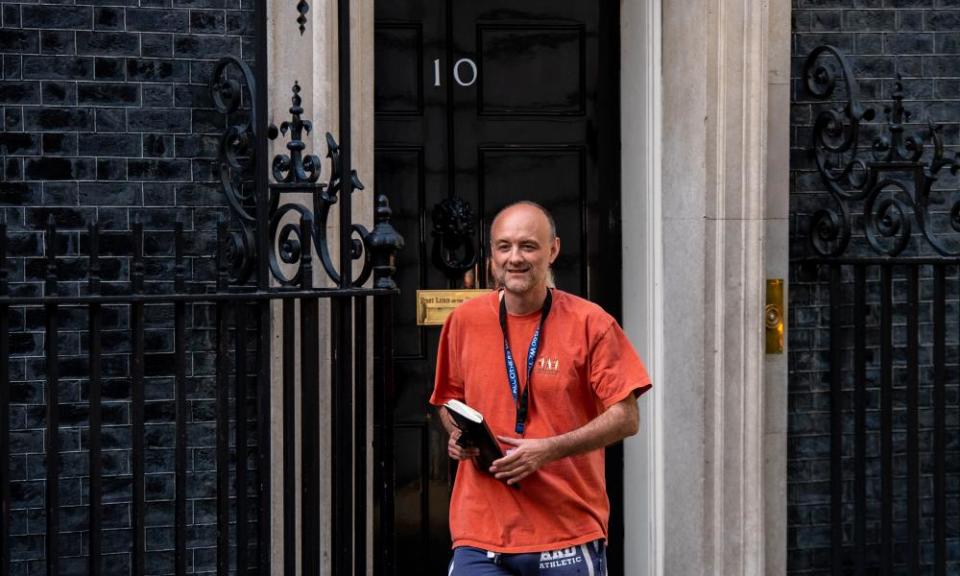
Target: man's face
x=523, y=249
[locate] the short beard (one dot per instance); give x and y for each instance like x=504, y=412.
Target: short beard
x=524, y=285
x=500, y=277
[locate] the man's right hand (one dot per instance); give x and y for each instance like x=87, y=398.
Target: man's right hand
x=458, y=452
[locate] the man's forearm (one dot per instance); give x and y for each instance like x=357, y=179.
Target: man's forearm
x=614, y=424
x=446, y=420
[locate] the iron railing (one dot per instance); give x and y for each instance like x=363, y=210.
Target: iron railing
x=884, y=251
x=267, y=256
x=236, y=310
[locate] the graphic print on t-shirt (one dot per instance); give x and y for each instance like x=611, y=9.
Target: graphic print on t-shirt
x=547, y=364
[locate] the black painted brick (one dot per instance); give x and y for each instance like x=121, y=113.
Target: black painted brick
x=158, y=120
x=942, y=20
x=156, y=45
x=58, y=67
x=11, y=15
x=211, y=4
x=58, y=17
x=111, y=169
x=158, y=145
x=109, y=69
x=49, y=118
x=196, y=146
x=108, y=43
x=158, y=169
x=58, y=42
x=910, y=21
x=48, y=168
x=110, y=144
x=13, y=169
x=111, y=120
x=13, y=118
x=110, y=193
x=15, y=92
x=108, y=94
x=157, y=70
x=842, y=41
x=108, y=18
x=910, y=44
x=12, y=66
x=62, y=194
x=107, y=116
x=207, y=121
x=919, y=38
x=59, y=93
x=869, y=43
x=19, y=143
x=192, y=97
x=157, y=96
x=24, y=41
x=152, y=20
x=159, y=194
x=948, y=43
x=20, y=193
x=240, y=23
x=826, y=20
x=207, y=21
x=60, y=144
x=868, y=20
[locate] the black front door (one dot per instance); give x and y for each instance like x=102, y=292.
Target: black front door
x=490, y=101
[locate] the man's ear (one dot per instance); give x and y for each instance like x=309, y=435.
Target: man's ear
x=554, y=249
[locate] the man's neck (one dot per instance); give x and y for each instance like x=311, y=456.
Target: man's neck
x=526, y=303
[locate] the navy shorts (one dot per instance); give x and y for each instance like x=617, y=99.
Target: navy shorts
x=588, y=559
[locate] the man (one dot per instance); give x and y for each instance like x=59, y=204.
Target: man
x=556, y=381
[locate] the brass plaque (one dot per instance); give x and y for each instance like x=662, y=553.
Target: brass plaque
x=773, y=316
x=433, y=306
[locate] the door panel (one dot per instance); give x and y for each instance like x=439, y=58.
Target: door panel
x=533, y=70
x=552, y=176
x=398, y=88
x=489, y=101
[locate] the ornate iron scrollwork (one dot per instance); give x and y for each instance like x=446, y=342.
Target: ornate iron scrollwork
x=293, y=172
x=890, y=188
x=230, y=76
x=452, y=232
x=299, y=172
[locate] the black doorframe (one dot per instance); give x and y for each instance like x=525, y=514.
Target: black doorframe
x=612, y=246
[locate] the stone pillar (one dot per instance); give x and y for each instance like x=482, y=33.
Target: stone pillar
x=711, y=403
x=311, y=59
x=734, y=295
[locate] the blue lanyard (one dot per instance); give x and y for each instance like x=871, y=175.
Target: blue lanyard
x=521, y=398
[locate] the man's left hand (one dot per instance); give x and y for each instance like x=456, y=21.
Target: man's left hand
x=528, y=456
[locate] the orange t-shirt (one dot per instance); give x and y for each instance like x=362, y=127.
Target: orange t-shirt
x=585, y=364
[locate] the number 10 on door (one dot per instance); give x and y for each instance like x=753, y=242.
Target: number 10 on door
x=464, y=72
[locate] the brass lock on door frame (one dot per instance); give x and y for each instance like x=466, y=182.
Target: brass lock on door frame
x=773, y=316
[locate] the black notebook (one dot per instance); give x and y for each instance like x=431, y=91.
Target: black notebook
x=474, y=433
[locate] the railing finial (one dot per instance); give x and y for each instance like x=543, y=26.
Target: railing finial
x=384, y=242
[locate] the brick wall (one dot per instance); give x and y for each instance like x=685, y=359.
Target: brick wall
x=106, y=116
x=919, y=40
